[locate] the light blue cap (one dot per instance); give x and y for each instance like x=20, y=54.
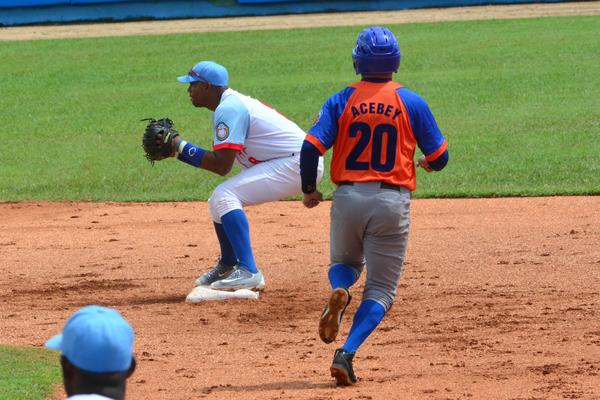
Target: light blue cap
x=96, y=339
x=206, y=71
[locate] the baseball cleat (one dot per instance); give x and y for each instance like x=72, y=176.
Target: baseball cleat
x=240, y=278
x=220, y=271
x=341, y=368
x=331, y=318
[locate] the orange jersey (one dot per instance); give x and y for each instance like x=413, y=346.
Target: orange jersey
x=374, y=128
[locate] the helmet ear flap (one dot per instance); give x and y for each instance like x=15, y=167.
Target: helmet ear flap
x=355, y=61
x=356, y=66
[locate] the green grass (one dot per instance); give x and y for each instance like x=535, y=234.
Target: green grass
x=516, y=99
x=28, y=373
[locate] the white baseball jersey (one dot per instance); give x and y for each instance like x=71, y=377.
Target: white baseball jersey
x=257, y=131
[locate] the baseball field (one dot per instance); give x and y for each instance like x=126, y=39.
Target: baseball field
x=501, y=291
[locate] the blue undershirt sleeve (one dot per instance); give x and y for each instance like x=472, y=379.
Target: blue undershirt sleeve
x=439, y=163
x=309, y=163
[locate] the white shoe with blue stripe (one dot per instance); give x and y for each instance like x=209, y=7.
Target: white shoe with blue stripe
x=240, y=279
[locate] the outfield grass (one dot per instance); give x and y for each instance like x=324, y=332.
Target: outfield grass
x=516, y=99
x=28, y=373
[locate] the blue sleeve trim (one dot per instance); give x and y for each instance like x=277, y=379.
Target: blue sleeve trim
x=425, y=128
x=439, y=163
x=192, y=155
x=309, y=163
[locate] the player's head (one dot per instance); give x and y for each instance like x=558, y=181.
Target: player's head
x=376, y=52
x=208, y=72
x=97, y=351
x=208, y=80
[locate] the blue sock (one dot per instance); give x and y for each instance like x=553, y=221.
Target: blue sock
x=367, y=317
x=237, y=229
x=227, y=254
x=341, y=275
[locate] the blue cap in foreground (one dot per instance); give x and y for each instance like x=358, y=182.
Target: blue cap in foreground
x=206, y=71
x=96, y=339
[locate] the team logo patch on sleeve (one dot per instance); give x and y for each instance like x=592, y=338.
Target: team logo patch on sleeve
x=222, y=131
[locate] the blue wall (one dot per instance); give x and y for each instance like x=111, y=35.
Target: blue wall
x=23, y=12
x=43, y=3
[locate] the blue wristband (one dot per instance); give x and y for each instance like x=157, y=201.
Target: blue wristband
x=191, y=154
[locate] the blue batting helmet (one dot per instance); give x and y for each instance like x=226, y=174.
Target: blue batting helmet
x=376, y=51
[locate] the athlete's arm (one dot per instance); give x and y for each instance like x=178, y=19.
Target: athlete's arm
x=436, y=164
x=309, y=163
x=319, y=139
x=219, y=161
x=429, y=138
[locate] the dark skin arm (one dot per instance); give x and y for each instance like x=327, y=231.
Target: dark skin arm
x=220, y=161
x=313, y=199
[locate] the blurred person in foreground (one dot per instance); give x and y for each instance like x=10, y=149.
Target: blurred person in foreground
x=97, y=354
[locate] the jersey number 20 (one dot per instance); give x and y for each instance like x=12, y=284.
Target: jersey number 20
x=379, y=132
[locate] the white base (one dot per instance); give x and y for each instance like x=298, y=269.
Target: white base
x=203, y=293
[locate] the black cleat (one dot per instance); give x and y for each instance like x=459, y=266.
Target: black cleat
x=341, y=368
x=331, y=318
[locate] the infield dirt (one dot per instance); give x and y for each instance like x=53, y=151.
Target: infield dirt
x=499, y=298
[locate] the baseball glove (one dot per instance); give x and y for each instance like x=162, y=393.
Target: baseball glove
x=157, y=139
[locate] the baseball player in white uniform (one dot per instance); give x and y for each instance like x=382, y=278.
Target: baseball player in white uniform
x=267, y=147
